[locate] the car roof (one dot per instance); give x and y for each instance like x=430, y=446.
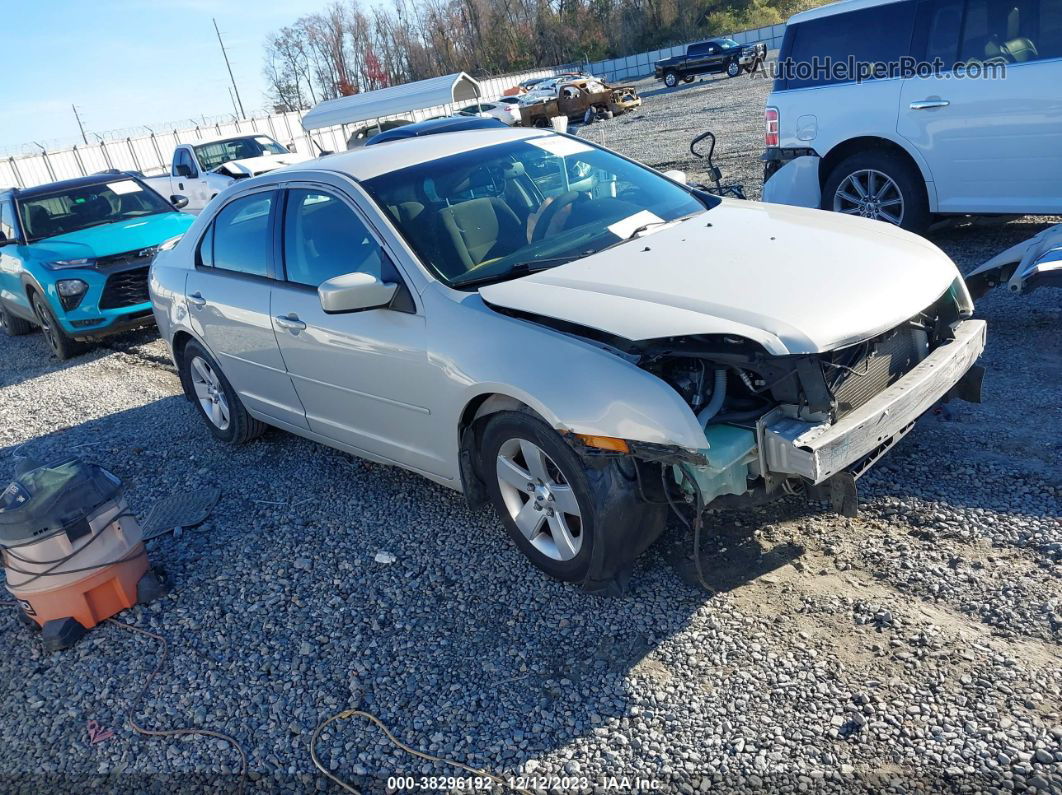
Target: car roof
x=450, y=124
x=216, y=138
x=840, y=7
x=71, y=184
x=372, y=161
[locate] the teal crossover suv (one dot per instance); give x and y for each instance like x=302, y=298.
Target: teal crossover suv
x=74, y=256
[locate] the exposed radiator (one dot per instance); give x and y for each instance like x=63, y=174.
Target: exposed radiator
x=876, y=367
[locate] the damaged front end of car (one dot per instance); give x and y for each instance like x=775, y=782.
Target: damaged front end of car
x=811, y=424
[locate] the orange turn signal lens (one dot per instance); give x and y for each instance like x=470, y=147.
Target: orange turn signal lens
x=604, y=443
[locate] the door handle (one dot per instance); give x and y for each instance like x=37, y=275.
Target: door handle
x=180, y=186
x=196, y=299
x=926, y=104
x=289, y=322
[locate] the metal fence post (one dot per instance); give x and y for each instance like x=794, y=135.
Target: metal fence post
x=158, y=152
x=132, y=152
x=47, y=164
x=14, y=170
x=106, y=154
x=80, y=162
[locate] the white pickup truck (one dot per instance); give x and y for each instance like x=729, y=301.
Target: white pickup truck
x=200, y=171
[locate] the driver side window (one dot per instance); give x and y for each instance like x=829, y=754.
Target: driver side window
x=324, y=238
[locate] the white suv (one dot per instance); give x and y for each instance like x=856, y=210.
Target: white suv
x=975, y=127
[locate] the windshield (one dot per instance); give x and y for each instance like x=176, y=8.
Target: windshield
x=493, y=213
x=216, y=153
x=728, y=43
x=65, y=211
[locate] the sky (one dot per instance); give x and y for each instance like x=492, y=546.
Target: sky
x=126, y=63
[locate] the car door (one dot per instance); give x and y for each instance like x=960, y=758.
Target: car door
x=696, y=58
x=11, y=290
x=195, y=187
x=713, y=58
x=363, y=377
x=990, y=128
x=228, y=295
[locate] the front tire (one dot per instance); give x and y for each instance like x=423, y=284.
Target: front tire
x=62, y=346
x=733, y=69
x=598, y=525
x=215, y=399
x=12, y=325
x=671, y=79
x=880, y=185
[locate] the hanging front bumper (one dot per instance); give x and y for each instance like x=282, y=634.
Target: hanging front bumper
x=817, y=451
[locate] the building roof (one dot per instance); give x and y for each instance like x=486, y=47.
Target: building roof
x=421, y=94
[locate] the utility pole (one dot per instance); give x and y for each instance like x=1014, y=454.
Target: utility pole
x=80, y=126
x=232, y=100
x=228, y=66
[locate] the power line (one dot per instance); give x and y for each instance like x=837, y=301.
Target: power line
x=228, y=66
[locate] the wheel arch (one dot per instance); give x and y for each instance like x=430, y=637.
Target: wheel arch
x=178, y=344
x=840, y=151
x=469, y=438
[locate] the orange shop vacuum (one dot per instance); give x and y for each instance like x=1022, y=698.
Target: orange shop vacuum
x=73, y=553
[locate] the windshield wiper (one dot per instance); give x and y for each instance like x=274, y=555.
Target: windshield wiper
x=521, y=269
x=651, y=224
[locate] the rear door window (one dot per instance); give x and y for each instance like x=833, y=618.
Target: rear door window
x=1011, y=31
x=822, y=51
x=240, y=238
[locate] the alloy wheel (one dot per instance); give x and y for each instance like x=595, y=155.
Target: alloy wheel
x=209, y=392
x=871, y=194
x=540, y=499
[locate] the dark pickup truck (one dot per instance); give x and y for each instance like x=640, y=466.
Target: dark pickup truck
x=705, y=57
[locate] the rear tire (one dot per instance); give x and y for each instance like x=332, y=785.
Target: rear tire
x=671, y=78
x=894, y=178
x=13, y=325
x=227, y=418
x=62, y=346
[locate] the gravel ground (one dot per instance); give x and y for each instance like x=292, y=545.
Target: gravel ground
x=914, y=647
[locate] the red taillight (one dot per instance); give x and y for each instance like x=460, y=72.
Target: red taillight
x=770, y=127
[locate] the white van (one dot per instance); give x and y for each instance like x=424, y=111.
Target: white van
x=964, y=115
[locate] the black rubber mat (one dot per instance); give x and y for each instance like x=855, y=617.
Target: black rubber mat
x=185, y=509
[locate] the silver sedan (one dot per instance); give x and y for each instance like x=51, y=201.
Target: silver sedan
x=545, y=325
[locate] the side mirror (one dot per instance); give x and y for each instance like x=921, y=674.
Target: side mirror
x=183, y=170
x=178, y=202
x=355, y=292
x=292, y=149
x=676, y=176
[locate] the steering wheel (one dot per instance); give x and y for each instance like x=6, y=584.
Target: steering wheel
x=547, y=214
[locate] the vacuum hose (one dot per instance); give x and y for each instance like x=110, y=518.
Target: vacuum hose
x=705, y=415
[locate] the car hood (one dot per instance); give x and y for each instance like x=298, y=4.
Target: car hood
x=252, y=166
x=116, y=238
x=792, y=279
